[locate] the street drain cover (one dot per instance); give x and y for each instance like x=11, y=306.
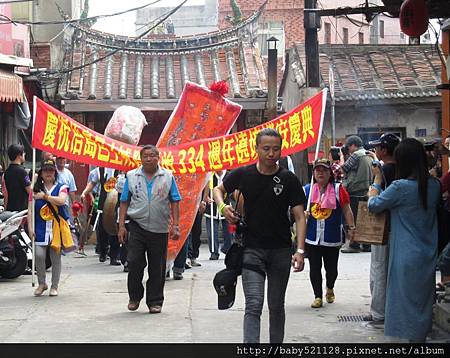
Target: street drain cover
x=352, y=318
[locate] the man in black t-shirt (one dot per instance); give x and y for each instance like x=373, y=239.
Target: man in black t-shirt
x=17, y=182
x=384, y=150
x=268, y=192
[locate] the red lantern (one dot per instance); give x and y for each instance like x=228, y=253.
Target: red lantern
x=414, y=17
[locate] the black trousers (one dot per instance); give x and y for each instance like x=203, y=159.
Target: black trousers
x=330, y=256
x=104, y=240
x=196, y=232
x=145, y=247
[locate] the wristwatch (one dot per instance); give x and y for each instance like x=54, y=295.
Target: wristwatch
x=301, y=251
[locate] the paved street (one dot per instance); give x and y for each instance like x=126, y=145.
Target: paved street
x=93, y=299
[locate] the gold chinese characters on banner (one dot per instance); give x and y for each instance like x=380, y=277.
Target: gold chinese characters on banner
x=61, y=135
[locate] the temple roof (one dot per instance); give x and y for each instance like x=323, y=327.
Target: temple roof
x=155, y=69
x=375, y=72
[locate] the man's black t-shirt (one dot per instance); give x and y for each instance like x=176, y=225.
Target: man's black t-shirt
x=16, y=180
x=266, y=202
x=389, y=174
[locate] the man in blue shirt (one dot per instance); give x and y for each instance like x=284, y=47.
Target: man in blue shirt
x=66, y=177
x=149, y=197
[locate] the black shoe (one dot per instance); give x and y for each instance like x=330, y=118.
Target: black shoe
x=125, y=269
x=366, y=248
x=102, y=258
x=115, y=263
x=177, y=276
x=214, y=257
x=187, y=266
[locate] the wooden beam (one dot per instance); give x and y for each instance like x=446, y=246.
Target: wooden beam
x=84, y=105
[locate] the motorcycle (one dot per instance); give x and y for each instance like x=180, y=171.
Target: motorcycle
x=15, y=244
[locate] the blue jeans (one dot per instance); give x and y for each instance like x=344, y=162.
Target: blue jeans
x=180, y=260
x=276, y=263
x=226, y=236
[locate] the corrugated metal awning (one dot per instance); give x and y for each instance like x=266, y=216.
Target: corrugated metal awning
x=11, y=87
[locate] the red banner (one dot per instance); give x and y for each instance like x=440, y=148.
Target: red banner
x=199, y=114
x=192, y=144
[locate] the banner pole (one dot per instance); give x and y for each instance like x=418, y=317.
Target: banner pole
x=319, y=139
x=211, y=184
x=33, y=244
x=33, y=174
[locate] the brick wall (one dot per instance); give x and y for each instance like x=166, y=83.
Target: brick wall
x=288, y=11
x=40, y=53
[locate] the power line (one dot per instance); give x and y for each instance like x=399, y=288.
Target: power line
x=14, y=1
x=162, y=19
x=6, y=20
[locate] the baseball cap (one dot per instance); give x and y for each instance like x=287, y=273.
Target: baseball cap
x=387, y=138
x=48, y=164
x=322, y=162
x=233, y=258
x=225, y=285
x=354, y=139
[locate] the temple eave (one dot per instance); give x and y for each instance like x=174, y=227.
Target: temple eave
x=147, y=105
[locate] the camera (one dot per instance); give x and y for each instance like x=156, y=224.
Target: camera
x=376, y=163
x=241, y=226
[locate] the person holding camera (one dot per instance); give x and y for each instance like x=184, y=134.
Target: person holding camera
x=379, y=257
x=268, y=191
x=358, y=176
x=412, y=200
x=330, y=203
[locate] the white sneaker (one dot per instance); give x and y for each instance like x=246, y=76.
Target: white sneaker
x=194, y=263
x=53, y=292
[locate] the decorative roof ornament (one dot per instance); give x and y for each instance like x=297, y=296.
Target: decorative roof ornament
x=221, y=87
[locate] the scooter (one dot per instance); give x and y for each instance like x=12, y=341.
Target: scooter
x=15, y=244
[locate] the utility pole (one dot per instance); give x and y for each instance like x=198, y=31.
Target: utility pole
x=445, y=87
x=272, y=93
x=311, y=24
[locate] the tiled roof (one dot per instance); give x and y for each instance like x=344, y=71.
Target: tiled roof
x=374, y=72
x=158, y=68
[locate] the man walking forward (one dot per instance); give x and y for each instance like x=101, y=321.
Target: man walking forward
x=268, y=192
x=148, y=193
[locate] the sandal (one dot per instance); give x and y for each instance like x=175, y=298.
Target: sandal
x=155, y=309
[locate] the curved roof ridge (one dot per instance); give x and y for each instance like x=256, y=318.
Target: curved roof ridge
x=131, y=42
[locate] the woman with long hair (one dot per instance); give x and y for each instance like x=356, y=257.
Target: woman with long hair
x=47, y=192
x=330, y=203
x=412, y=200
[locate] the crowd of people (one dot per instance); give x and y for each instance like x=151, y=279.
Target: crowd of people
x=282, y=224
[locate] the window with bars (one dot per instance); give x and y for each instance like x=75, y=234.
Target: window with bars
x=421, y=132
x=345, y=35
x=327, y=33
x=268, y=29
x=382, y=29
x=361, y=38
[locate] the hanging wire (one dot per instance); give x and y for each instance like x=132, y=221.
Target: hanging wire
x=331, y=22
x=162, y=18
x=6, y=20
